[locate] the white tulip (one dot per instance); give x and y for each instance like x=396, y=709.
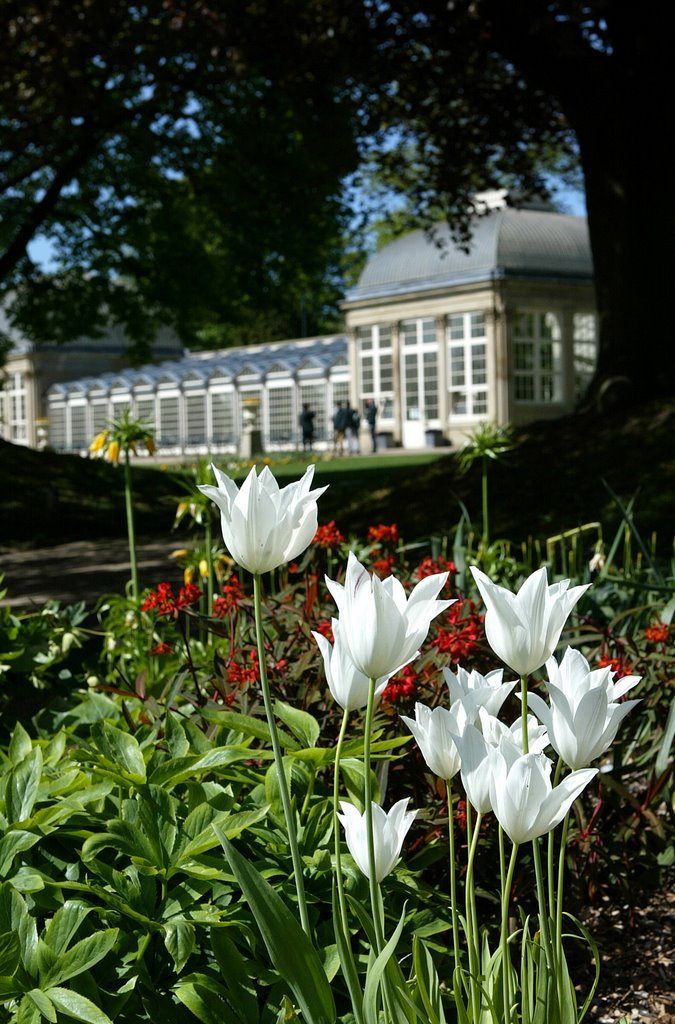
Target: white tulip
x=522, y=798
x=382, y=627
x=489, y=691
x=584, y=716
x=523, y=629
x=348, y=686
x=264, y=525
x=389, y=831
x=434, y=731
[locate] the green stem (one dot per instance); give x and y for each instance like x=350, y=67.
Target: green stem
x=559, y=895
x=372, y=881
x=336, y=824
x=484, y=490
x=208, y=533
x=506, y=956
x=453, y=874
x=543, y=914
x=131, y=532
x=550, y=871
x=523, y=713
x=278, y=757
x=471, y=916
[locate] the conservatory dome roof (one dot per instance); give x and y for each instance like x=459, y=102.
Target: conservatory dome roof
x=506, y=243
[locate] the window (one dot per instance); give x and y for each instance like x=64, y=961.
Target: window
x=78, y=426
x=537, y=357
x=420, y=370
x=195, y=418
x=222, y=417
x=17, y=393
x=585, y=348
x=373, y=345
x=57, y=427
x=145, y=411
x=168, y=428
x=99, y=417
x=467, y=364
x=282, y=429
x=315, y=397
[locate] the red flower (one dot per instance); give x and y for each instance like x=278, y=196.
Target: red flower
x=657, y=634
x=465, y=635
x=229, y=600
x=402, y=689
x=161, y=649
x=383, y=534
x=619, y=666
x=383, y=566
x=325, y=627
x=328, y=536
x=163, y=601
x=428, y=567
x=240, y=674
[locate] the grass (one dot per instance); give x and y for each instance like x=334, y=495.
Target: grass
x=552, y=481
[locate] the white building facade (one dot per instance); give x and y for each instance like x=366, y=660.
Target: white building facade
x=440, y=338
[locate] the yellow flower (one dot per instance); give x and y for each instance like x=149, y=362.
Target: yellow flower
x=113, y=452
x=188, y=575
x=204, y=569
x=99, y=442
x=179, y=553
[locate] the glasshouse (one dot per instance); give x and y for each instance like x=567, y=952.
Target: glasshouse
x=438, y=336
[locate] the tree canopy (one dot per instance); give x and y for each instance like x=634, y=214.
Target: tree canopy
x=189, y=158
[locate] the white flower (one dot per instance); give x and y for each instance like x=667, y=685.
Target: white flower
x=523, y=629
x=434, y=731
x=389, y=831
x=264, y=526
x=584, y=715
x=348, y=686
x=487, y=691
x=383, y=628
x=523, y=800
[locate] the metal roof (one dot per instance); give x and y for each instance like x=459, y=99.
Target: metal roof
x=506, y=243
x=319, y=354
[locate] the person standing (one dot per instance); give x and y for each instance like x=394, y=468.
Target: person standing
x=371, y=420
x=340, y=422
x=353, y=427
x=306, y=422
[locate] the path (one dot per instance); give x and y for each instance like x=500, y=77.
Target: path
x=83, y=570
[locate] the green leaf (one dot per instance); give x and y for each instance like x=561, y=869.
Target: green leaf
x=22, y=786
x=20, y=745
x=15, y=917
x=231, y=824
x=375, y=975
x=81, y=957
x=179, y=939
x=301, y=724
x=427, y=982
x=28, y=1012
x=157, y=817
x=65, y=923
x=120, y=748
x=235, y=974
x=77, y=1006
x=247, y=725
x=290, y=950
x=12, y=843
x=43, y=1003
x=663, y=756
x=208, y=1001
x=10, y=953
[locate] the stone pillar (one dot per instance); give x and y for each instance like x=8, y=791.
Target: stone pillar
x=396, y=377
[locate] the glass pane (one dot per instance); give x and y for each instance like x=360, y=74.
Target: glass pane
x=459, y=403
x=524, y=389
x=456, y=326
x=478, y=363
x=480, y=405
x=280, y=405
x=523, y=355
x=457, y=366
x=430, y=363
x=222, y=417
x=195, y=418
x=478, y=325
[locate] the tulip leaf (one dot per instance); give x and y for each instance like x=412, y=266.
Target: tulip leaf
x=663, y=755
x=427, y=982
x=347, y=960
x=290, y=950
x=375, y=978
